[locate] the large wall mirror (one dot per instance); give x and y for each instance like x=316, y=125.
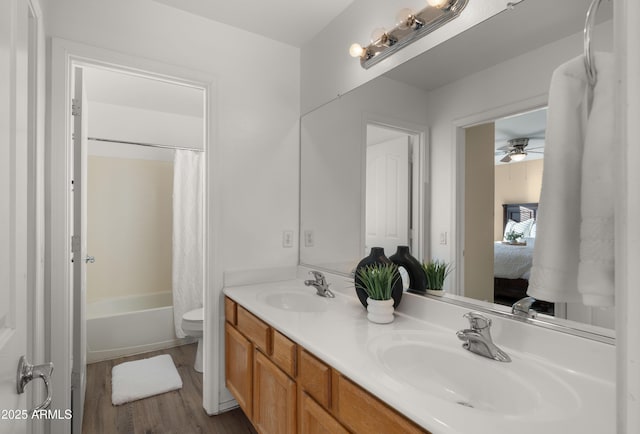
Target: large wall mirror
x=426, y=155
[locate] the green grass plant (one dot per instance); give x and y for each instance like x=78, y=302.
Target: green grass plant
x=378, y=280
x=436, y=271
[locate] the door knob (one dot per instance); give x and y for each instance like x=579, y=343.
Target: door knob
x=27, y=372
x=89, y=259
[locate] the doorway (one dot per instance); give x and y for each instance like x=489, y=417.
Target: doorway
x=66, y=56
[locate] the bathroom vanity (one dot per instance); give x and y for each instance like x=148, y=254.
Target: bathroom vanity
x=300, y=363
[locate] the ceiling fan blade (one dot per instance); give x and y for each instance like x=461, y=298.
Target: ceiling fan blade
x=506, y=159
x=531, y=151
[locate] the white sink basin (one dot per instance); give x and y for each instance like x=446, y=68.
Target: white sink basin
x=296, y=302
x=437, y=365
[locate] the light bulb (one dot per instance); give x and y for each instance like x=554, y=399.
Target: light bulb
x=518, y=156
x=404, y=18
x=438, y=3
x=356, y=50
x=377, y=34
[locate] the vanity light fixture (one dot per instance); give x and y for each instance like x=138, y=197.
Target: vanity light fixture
x=410, y=26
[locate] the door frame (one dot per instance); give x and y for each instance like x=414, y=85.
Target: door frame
x=456, y=282
x=64, y=55
x=420, y=190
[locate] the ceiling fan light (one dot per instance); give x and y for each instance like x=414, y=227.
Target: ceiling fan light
x=518, y=156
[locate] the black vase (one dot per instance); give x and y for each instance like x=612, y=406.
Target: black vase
x=377, y=257
x=417, y=277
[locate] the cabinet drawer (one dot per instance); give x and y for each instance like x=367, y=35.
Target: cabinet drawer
x=284, y=353
x=315, y=378
x=316, y=420
x=361, y=412
x=255, y=329
x=230, y=311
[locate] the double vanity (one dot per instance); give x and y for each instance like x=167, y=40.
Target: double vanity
x=298, y=362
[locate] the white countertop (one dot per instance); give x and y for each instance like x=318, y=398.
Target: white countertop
x=342, y=337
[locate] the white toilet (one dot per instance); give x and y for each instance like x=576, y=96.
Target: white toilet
x=192, y=326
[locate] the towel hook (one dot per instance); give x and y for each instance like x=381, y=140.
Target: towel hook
x=589, y=63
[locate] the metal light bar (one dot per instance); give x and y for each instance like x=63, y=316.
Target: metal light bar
x=420, y=24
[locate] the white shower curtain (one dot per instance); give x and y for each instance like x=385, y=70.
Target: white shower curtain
x=188, y=236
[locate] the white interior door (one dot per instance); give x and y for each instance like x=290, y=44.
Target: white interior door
x=79, y=250
x=387, y=197
x=13, y=210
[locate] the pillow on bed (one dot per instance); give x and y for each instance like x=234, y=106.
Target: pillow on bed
x=532, y=232
x=521, y=227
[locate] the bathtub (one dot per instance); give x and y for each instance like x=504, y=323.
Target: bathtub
x=125, y=326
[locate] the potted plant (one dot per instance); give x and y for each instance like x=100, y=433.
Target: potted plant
x=377, y=280
x=436, y=272
x=513, y=237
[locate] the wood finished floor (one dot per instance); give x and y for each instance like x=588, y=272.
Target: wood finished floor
x=178, y=412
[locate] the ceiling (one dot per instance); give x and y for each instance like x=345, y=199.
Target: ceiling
x=271, y=19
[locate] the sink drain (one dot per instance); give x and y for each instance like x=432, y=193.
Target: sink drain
x=464, y=404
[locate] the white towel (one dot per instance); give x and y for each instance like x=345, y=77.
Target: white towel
x=572, y=186
x=143, y=378
x=555, y=258
x=596, y=269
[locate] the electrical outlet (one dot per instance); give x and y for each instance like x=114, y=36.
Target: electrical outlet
x=308, y=238
x=443, y=238
x=287, y=238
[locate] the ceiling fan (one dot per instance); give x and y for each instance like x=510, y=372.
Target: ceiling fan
x=515, y=149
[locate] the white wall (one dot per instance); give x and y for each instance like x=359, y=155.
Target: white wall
x=117, y=122
x=257, y=101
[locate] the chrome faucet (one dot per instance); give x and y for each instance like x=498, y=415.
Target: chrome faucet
x=477, y=339
x=522, y=308
x=320, y=283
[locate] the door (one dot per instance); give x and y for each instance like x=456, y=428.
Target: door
x=387, y=196
x=79, y=249
x=14, y=178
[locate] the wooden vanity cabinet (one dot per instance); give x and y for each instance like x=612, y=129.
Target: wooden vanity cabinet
x=362, y=412
x=260, y=365
x=284, y=389
x=238, y=367
x=314, y=419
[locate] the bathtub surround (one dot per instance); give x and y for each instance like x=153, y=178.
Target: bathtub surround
x=188, y=235
x=129, y=226
x=130, y=325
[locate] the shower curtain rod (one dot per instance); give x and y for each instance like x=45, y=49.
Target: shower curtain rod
x=151, y=145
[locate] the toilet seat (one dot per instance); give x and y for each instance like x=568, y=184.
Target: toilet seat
x=192, y=322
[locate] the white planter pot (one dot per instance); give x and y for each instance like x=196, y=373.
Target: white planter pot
x=380, y=311
x=436, y=292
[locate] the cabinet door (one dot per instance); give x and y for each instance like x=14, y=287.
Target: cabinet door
x=316, y=420
x=274, y=398
x=238, y=367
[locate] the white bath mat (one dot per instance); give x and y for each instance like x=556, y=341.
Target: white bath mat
x=143, y=378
